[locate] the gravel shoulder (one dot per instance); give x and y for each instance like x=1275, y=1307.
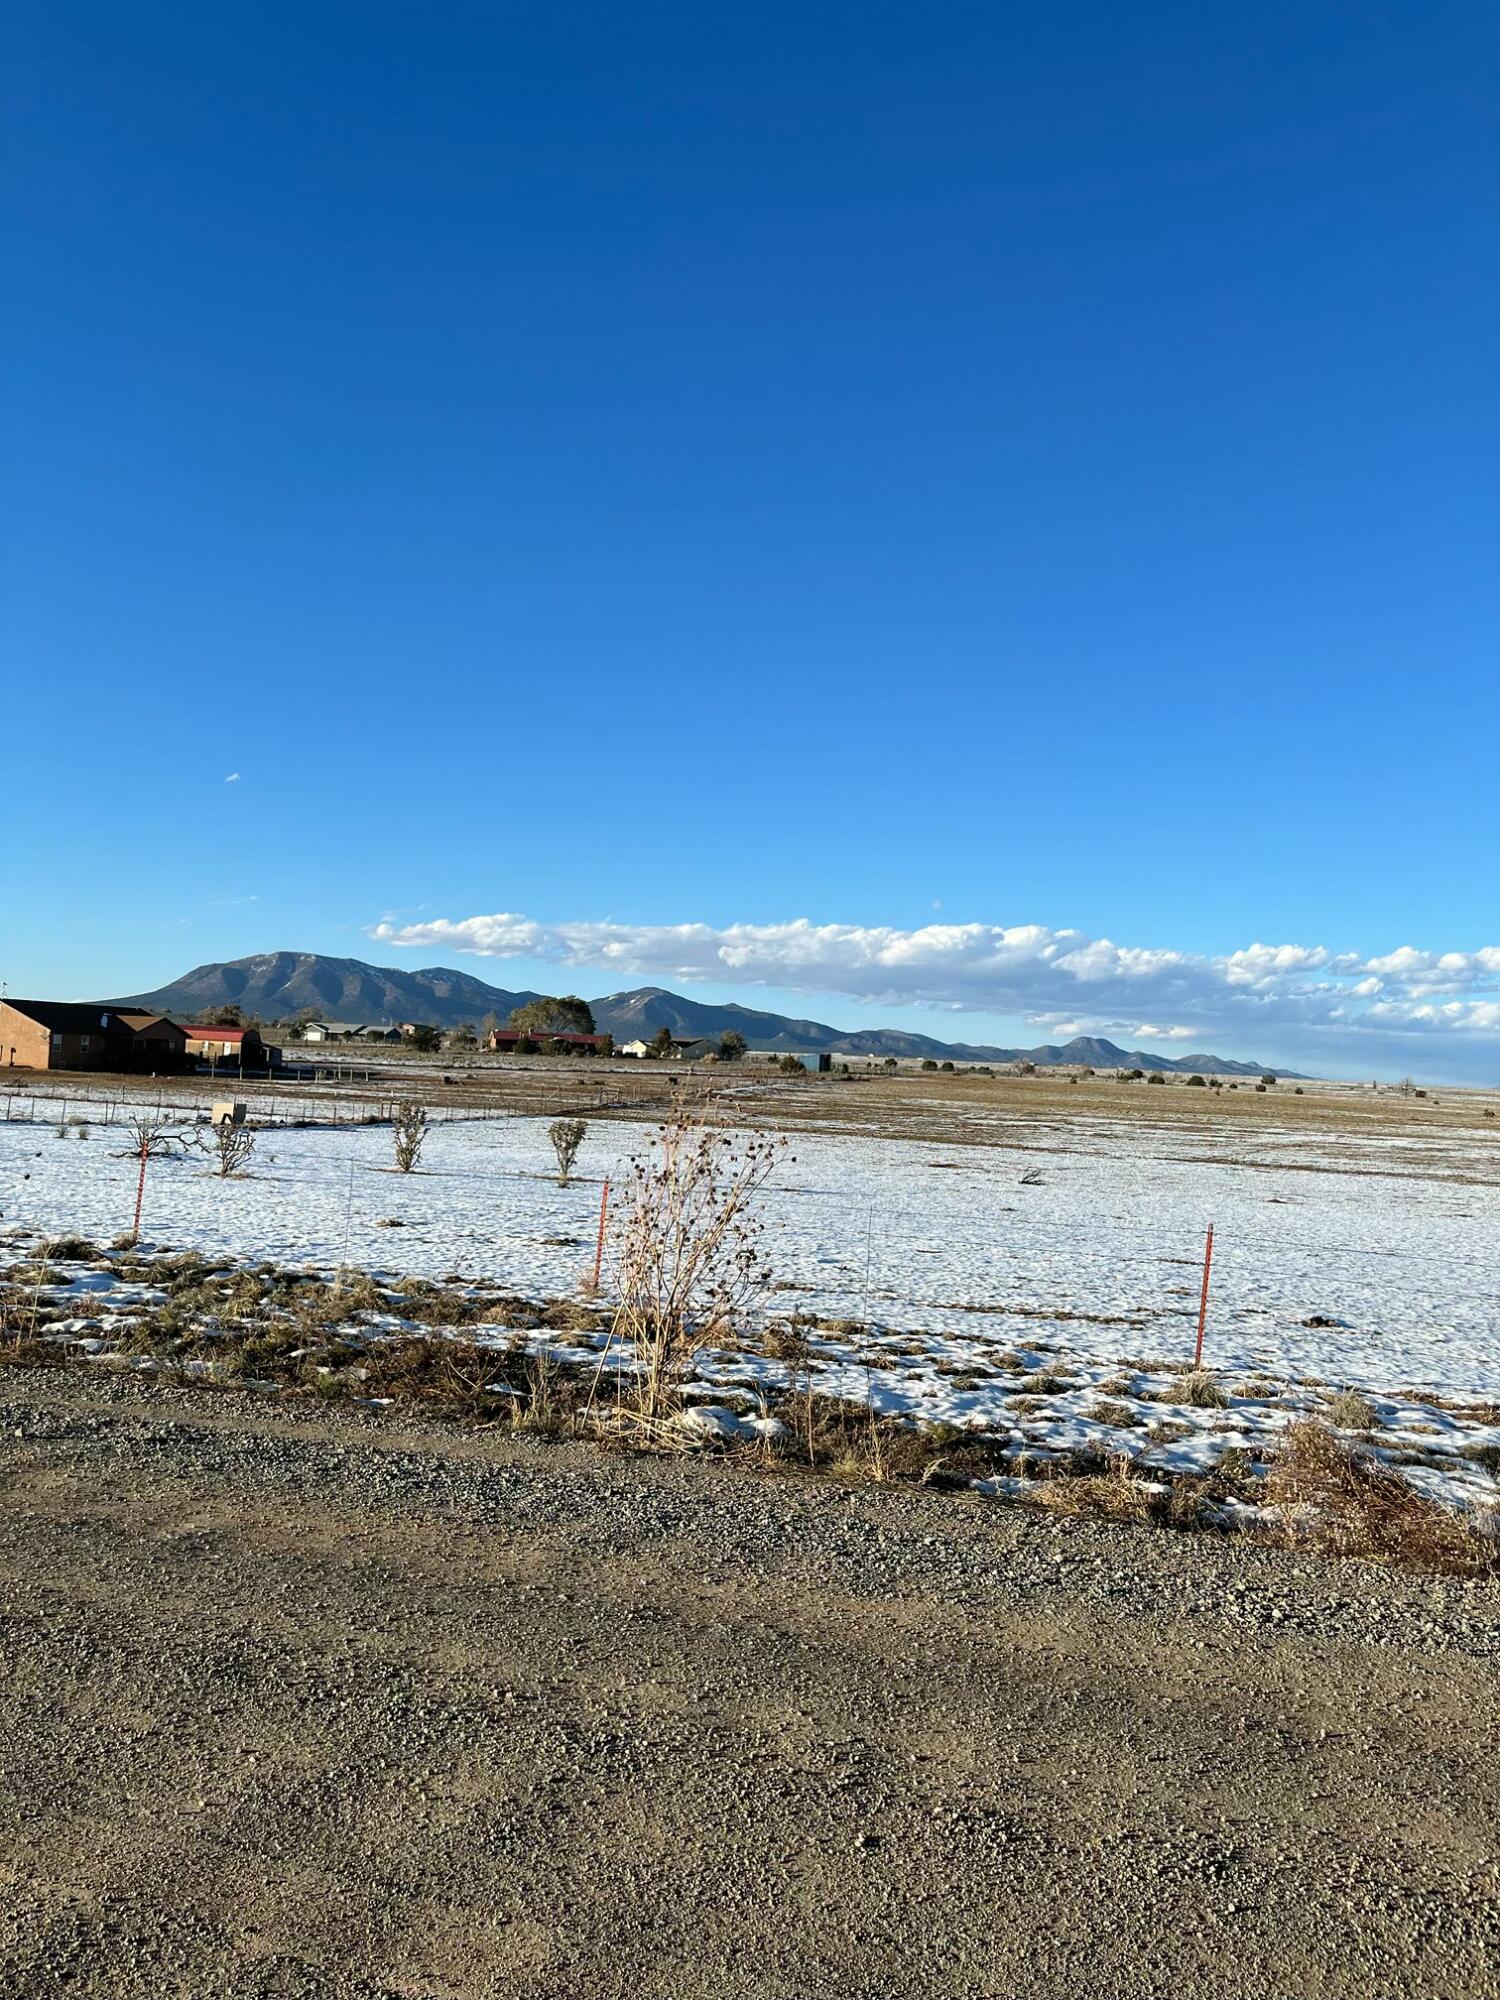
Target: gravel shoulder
x=307, y=1702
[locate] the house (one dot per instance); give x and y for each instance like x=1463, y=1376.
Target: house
x=347, y=1031
x=498, y=1040
x=83, y=1034
x=241, y=1046
x=683, y=1048
x=153, y=1036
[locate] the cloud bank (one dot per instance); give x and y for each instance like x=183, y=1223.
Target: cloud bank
x=1286, y=1002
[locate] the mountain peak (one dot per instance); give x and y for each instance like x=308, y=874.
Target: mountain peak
x=278, y=984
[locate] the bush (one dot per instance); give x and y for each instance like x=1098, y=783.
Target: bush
x=1198, y=1083
x=410, y=1134
x=690, y=1262
x=928, y=1063
x=567, y=1135
x=232, y=1145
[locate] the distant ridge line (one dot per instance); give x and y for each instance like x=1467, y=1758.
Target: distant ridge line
x=279, y=984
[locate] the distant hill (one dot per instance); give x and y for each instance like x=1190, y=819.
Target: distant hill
x=279, y=984
x=276, y=985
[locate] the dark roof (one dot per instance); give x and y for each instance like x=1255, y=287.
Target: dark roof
x=68, y=1017
x=136, y=1021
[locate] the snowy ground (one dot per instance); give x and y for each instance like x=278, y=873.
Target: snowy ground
x=1340, y=1262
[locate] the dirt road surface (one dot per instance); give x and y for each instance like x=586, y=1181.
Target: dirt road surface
x=303, y=1702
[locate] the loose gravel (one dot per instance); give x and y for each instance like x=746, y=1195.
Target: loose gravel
x=304, y=1701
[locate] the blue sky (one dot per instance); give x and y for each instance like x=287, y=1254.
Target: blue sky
x=1012, y=488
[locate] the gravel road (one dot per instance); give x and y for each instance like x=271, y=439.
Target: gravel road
x=306, y=1702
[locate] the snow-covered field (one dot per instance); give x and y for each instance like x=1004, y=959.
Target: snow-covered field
x=1362, y=1262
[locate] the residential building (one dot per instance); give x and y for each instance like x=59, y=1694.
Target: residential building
x=82, y=1034
x=243, y=1047
x=498, y=1040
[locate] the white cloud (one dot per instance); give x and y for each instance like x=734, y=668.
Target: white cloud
x=1281, y=1000
x=233, y=778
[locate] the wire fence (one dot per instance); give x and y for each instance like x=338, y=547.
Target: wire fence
x=39, y=1105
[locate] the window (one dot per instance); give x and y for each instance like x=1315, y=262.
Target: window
x=83, y=1045
x=56, y=1038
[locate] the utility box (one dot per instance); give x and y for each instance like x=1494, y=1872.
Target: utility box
x=228, y=1114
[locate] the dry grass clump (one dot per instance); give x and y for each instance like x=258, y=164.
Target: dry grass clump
x=1350, y=1411
x=1196, y=1387
x=851, y=1441
x=1119, y=1415
x=72, y=1250
x=1340, y=1498
x=1045, y=1384
x=1113, y=1495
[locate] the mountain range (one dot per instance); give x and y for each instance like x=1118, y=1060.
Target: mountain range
x=275, y=986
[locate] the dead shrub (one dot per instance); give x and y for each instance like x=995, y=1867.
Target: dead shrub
x=232, y=1147
x=1341, y=1499
x=690, y=1262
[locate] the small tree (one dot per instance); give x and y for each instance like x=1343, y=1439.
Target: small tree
x=661, y=1043
x=732, y=1045
x=422, y=1036
x=928, y=1062
x=606, y=1044
x=567, y=1135
x=792, y=1066
x=490, y=1025
x=410, y=1134
x=226, y=1017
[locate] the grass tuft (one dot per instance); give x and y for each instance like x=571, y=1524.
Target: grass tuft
x=1341, y=1499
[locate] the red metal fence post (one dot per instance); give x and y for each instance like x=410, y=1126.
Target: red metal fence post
x=599, y=1248
x=1208, y=1258
x=140, y=1188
